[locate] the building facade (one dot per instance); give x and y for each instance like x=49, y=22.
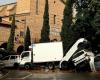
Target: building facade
x=29, y=13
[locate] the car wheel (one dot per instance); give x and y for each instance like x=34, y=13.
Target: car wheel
x=64, y=65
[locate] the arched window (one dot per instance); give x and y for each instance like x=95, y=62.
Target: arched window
x=37, y=6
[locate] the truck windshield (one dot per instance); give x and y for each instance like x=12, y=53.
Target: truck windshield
x=25, y=54
x=77, y=54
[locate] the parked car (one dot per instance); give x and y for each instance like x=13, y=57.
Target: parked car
x=3, y=53
x=2, y=65
x=11, y=61
x=97, y=62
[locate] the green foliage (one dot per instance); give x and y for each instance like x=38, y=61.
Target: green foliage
x=10, y=44
x=27, y=40
x=88, y=21
x=83, y=22
x=66, y=32
x=95, y=7
x=46, y=28
x=96, y=21
x=3, y=53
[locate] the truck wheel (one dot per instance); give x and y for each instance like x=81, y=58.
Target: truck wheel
x=64, y=65
x=51, y=66
x=27, y=66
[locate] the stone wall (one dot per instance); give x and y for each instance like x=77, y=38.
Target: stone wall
x=30, y=13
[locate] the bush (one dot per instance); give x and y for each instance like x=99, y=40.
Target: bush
x=4, y=45
x=3, y=53
x=20, y=49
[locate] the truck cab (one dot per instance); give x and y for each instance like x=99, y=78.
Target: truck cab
x=65, y=60
x=25, y=59
x=76, y=56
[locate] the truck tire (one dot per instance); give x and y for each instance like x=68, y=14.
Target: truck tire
x=64, y=65
x=51, y=66
x=27, y=66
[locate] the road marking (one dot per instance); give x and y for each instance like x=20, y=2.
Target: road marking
x=5, y=75
x=27, y=76
x=20, y=78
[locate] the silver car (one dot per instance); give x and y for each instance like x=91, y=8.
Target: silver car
x=11, y=60
x=2, y=65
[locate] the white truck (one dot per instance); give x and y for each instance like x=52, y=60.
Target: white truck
x=76, y=57
x=42, y=53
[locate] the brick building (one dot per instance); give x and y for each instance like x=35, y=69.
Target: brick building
x=30, y=13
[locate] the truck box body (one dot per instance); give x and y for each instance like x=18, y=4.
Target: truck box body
x=47, y=52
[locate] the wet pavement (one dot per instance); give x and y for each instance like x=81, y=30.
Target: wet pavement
x=49, y=75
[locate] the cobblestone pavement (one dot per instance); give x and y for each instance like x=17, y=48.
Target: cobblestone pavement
x=45, y=74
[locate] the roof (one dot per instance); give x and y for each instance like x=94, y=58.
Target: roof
x=8, y=4
x=5, y=24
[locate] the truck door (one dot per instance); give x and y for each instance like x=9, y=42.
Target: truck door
x=25, y=57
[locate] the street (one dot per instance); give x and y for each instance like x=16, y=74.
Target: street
x=44, y=74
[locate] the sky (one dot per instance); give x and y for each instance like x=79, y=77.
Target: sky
x=3, y=2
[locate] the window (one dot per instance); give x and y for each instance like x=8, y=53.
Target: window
x=54, y=19
x=37, y=7
x=13, y=57
x=21, y=34
x=54, y=2
x=26, y=54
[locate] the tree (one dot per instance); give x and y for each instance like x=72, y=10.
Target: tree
x=4, y=45
x=83, y=22
x=88, y=21
x=46, y=28
x=66, y=32
x=10, y=44
x=3, y=53
x=27, y=39
x=95, y=7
